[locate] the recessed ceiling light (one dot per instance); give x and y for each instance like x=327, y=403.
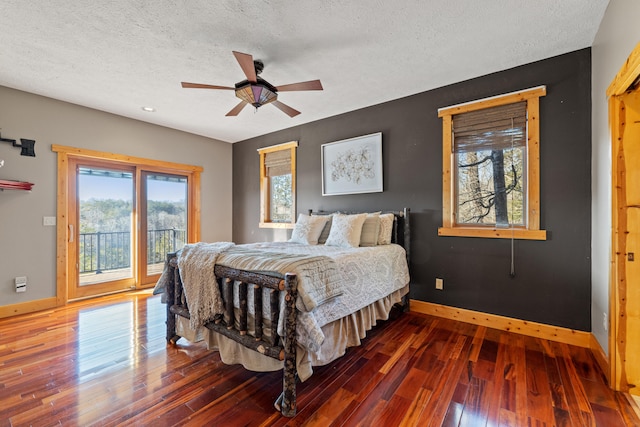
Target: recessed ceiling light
x=149, y=109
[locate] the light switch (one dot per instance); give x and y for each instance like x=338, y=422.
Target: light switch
x=48, y=220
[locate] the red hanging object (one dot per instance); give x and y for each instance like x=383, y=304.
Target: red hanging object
x=15, y=185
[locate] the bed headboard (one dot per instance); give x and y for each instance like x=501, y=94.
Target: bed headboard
x=401, y=233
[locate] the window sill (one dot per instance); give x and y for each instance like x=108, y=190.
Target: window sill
x=288, y=225
x=494, y=233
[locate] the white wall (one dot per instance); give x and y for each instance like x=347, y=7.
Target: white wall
x=27, y=248
x=618, y=34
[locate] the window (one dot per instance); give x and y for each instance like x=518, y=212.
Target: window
x=491, y=178
x=278, y=185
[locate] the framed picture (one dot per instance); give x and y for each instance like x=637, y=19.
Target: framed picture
x=352, y=165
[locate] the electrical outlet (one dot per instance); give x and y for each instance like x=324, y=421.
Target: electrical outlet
x=21, y=284
x=439, y=284
x=605, y=322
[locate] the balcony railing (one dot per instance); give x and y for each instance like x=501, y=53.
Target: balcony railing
x=111, y=251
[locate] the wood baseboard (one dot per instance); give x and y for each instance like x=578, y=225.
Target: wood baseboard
x=27, y=307
x=525, y=327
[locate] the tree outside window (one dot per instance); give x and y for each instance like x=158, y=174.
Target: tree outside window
x=281, y=198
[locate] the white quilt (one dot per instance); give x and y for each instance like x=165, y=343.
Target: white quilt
x=367, y=275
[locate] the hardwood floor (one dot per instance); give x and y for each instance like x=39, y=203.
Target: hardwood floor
x=105, y=362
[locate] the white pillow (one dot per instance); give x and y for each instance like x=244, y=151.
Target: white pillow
x=386, y=228
x=308, y=229
x=346, y=230
x=325, y=230
x=370, y=230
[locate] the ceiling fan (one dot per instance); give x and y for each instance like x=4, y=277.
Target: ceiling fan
x=255, y=90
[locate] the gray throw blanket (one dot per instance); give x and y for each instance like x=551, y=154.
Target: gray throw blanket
x=318, y=277
x=196, y=264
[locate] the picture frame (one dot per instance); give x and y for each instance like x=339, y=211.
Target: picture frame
x=352, y=166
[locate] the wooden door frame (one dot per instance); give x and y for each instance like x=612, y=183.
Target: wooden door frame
x=62, y=229
x=628, y=74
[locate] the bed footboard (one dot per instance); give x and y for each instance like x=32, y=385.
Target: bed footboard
x=273, y=346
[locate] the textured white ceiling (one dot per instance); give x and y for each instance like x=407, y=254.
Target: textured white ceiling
x=120, y=55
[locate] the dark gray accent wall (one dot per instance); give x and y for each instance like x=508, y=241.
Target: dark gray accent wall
x=553, y=277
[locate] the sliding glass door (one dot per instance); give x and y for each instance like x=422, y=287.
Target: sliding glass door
x=123, y=219
x=164, y=227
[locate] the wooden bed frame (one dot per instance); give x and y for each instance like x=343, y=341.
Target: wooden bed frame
x=281, y=349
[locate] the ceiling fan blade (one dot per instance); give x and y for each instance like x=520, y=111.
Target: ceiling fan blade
x=236, y=110
x=188, y=85
x=285, y=108
x=246, y=63
x=310, y=85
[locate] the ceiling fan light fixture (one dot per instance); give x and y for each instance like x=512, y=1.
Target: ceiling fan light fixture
x=256, y=94
x=255, y=90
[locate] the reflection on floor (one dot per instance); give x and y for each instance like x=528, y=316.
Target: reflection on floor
x=105, y=361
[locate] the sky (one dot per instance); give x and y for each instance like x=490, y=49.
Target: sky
x=99, y=187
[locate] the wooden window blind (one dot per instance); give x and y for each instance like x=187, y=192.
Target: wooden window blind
x=495, y=128
x=278, y=163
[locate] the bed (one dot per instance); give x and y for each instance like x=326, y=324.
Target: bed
x=290, y=305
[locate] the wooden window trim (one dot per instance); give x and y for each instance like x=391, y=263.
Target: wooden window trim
x=265, y=197
x=532, y=231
